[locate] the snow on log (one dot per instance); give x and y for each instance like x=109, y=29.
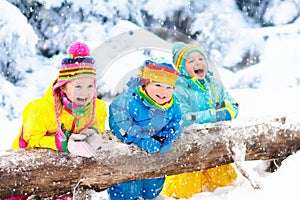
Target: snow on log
x=47, y=173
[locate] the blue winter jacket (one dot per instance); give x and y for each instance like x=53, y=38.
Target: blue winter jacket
x=199, y=104
x=133, y=120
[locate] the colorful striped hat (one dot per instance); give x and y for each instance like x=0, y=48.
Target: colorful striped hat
x=158, y=70
x=79, y=64
x=180, y=51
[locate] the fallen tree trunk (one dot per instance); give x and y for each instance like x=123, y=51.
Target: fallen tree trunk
x=47, y=173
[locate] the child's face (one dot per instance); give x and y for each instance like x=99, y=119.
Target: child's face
x=196, y=65
x=80, y=91
x=161, y=93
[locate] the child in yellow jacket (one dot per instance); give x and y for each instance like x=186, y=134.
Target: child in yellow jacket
x=69, y=117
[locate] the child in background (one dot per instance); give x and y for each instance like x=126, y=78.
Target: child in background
x=148, y=116
x=69, y=117
x=203, y=99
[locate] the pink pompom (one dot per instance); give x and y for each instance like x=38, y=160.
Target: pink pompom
x=78, y=49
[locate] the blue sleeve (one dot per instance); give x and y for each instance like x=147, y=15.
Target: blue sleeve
x=121, y=120
x=190, y=116
x=171, y=131
x=174, y=125
x=225, y=96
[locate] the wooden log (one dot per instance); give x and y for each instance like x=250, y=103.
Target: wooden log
x=48, y=173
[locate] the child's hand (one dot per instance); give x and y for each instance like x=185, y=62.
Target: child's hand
x=149, y=144
x=225, y=111
x=78, y=145
x=95, y=141
x=166, y=139
x=167, y=144
x=161, y=139
x=88, y=131
x=84, y=143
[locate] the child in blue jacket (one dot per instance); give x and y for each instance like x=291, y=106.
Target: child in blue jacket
x=203, y=99
x=147, y=115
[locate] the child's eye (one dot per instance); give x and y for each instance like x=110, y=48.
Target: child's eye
x=90, y=86
x=77, y=86
x=158, y=85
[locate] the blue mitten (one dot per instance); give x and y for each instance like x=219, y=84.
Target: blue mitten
x=223, y=115
x=149, y=144
x=166, y=139
x=160, y=136
x=167, y=144
x=225, y=111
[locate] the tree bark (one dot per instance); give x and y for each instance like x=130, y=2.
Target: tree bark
x=49, y=173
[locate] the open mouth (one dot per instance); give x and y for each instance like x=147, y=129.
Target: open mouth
x=82, y=100
x=198, y=71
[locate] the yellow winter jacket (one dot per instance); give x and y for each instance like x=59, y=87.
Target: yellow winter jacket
x=187, y=184
x=39, y=122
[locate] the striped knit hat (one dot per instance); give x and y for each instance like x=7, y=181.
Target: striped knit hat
x=180, y=52
x=158, y=70
x=79, y=64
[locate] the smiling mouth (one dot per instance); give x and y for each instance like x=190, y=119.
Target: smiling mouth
x=161, y=97
x=199, y=71
x=82, y=100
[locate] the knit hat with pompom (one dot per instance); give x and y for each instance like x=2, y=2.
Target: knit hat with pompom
x=180, y=52
x=78, y=65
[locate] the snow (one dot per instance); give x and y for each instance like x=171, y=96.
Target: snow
x=151, y=7
x=283, y=12
x=17, y=26
x=267, y=89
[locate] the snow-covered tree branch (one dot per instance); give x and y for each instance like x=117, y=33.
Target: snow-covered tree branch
x=47, y=173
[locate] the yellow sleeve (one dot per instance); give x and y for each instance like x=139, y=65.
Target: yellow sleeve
x=100, y=116
x=36, y=122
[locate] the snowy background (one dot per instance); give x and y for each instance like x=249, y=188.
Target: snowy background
x=254, y=45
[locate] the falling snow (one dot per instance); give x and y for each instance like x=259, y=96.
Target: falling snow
x=265, y=82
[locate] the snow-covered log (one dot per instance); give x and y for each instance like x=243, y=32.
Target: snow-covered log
x=47, y=173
